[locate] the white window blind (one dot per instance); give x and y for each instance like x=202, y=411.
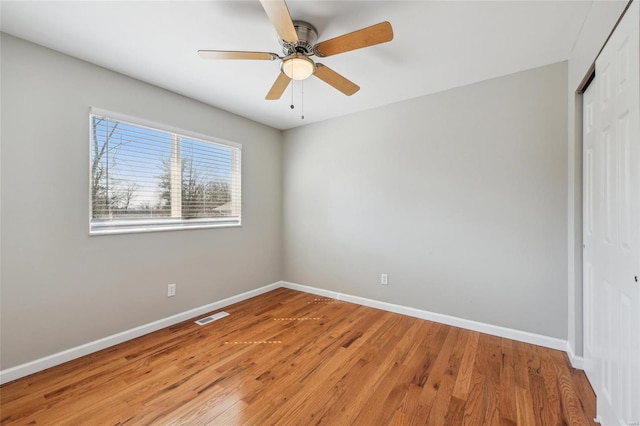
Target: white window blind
x=148, y=177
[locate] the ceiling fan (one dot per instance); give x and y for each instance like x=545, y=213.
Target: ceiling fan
x=298, y=40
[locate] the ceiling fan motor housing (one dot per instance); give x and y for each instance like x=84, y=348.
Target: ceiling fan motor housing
x=307, y=37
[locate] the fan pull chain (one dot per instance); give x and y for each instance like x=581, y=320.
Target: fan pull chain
x=292, y=84
x=302, y=101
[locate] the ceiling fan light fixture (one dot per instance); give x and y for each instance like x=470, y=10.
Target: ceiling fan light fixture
x=298, y=67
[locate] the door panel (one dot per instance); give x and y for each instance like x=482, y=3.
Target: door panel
x=611, y=138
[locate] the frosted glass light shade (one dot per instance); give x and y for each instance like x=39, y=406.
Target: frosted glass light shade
x=298, y=67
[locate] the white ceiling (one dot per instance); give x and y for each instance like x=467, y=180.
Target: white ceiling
x=437, y=45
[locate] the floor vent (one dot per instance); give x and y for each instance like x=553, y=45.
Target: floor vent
x=211, y=318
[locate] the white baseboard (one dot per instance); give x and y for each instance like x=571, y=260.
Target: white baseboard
x=82, y=350
x=312, y=290
x=509, y=333
x=576, y=361
x=23, y=370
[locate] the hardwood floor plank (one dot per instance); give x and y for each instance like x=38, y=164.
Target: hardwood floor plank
x=541, y=405
x=419, y=363
x=400, y=419
x=550, y=399
x=524, y=407
x=585, y=394
x=440, y=408
x=432, y=392
x=507, y=407
x=200, y=408
x=463, y=380
x=454, y=406
x=474, y=409
x=520, y=365
x=493, y=349
x=572, y=410
x=333, y=363
x=381, y=404
x=455, y=411
x=236, y=414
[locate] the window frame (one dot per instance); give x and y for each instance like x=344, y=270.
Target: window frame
x=124, y=226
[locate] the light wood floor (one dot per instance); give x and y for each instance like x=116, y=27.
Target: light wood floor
x=293, y=358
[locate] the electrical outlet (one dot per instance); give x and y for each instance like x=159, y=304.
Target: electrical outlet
x=384, y=279
x=171, y=290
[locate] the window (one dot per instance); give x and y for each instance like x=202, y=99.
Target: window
x=148, y=177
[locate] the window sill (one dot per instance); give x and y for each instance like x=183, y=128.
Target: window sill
x=137, y=228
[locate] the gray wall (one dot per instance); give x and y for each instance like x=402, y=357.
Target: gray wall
x=461, y=197
x=62, y=288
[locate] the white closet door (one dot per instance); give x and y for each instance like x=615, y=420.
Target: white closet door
x=612, y=226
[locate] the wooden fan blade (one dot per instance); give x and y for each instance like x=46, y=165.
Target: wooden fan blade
x=278, y=13
x=375, y=34
x=278, y=87
x=335, y=80
x=226, y=54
